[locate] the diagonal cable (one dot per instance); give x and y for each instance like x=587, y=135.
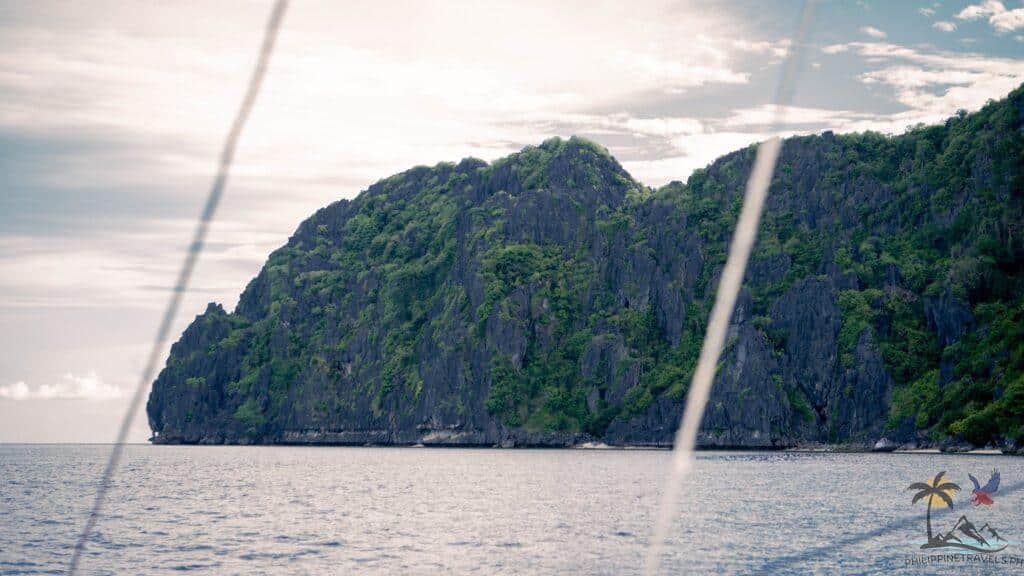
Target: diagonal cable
x=184, y=276
x=725, y=301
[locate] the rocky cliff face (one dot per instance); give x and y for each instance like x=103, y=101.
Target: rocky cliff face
x=548, y=299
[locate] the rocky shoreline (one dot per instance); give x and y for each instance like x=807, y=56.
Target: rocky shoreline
x=519, y=439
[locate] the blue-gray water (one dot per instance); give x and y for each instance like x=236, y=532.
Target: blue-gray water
x=280, y=510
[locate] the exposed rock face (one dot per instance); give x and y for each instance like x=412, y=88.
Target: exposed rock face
x=885, y=445
x=550, y=299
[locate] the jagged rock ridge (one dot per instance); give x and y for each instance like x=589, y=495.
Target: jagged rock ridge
x=549, y=298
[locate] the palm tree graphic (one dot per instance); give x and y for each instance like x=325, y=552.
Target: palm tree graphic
x=936, y=489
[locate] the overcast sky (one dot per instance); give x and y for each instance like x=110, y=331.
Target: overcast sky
x=112, y=114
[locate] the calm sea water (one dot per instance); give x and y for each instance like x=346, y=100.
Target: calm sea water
x=280, y=510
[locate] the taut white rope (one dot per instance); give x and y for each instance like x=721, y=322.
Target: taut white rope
x=725, y=300
x=184, y=276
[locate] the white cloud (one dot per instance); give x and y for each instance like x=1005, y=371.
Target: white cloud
x=763, y=116
x=835, y=48
x=71, y=387
x=931, y=84
x=928, y=82
x=413, y=97
x=691, y=152
x=663, y=126
x=987, y=8
x=873, y=32
x=137, y=268
x=351, y=96
x=778, y=49
x=16, y=391
x=926, y=11
x=1008, y=21
x=944, y=26
x=999, y=16
x=674, y=75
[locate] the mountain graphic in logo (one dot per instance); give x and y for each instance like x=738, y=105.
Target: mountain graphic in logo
x=938, y=493
x=965, y=535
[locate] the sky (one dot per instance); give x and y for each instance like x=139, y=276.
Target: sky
x=112, y=115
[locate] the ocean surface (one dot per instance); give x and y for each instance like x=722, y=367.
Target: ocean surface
x=285, y=510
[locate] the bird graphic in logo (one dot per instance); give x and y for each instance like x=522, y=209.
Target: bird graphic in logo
x=983, y=494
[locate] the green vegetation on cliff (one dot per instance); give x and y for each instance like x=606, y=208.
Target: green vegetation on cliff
x=549, y=293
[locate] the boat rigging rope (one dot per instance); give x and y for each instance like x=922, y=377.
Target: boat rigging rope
x=721, y=313
x=185, y=275
x=725, y=301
